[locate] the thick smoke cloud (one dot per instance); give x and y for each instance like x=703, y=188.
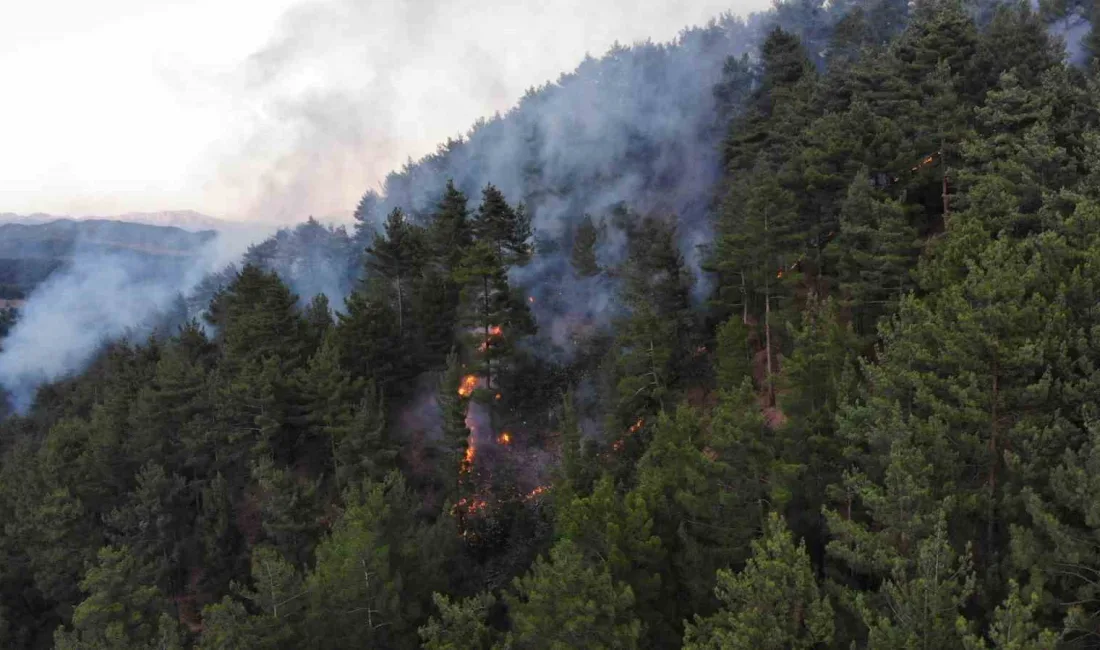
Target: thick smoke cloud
x=98, y=297
x=346, y=90
x=637, y=129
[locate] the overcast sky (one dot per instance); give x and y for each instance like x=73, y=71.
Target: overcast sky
x=273, y=109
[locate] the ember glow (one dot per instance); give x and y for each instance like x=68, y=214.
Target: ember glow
x=536, y=492
x=471, y=506
x=468, y=457
x=634, y=428
x=494, y=332
x=469, y=383
x=505, y=438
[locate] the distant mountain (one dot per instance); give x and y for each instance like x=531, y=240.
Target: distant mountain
x=31, y=251
x=183, y=219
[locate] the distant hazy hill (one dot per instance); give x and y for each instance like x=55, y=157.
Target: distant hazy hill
x=185, y=219
x=30, y=251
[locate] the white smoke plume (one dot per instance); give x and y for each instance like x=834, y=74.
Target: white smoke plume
x=98, y=297
x=347, y=90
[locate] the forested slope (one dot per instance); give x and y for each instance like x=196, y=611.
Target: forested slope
x=864, y=417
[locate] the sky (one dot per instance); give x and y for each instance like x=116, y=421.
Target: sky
x=273, y=110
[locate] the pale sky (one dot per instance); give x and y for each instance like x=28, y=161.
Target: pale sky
x=273, y=109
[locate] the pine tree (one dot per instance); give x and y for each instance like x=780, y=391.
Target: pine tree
x=654, y=341
x=153, y=525
x=506, y=230
x=365, y=215
x=734, y=355
x=453, y=398
x=773, y=603
x=778, y=108
x=450, y=231
x=368, y=337
x=585, y=238
x=563, y=603
x=278, y=598
x=923, y=598
x=460, y=625
x=123, y=608
x=873, y=254
x=361, y=445
x=704, y=509
x=1014, y=627
x=398, y=256
x=257, y=318
x=494, y=316
x=354, y=596
x=325, y=402
x=1013, y=159
x=1017, y=40
x=289, y=510
x=756, y=255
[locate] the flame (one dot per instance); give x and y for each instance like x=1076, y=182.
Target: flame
x=471, y=506
x=636, y=426
x=505, y=438
x=469, y=383
x=927, y=160
x=779, y=274
x=496, y=331
x=536, y=492
x=618, y=445
x=499, y=396
x=468, y=458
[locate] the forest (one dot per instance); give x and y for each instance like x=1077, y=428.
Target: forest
x=838, y=391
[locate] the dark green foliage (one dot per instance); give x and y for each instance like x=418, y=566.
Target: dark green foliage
x=870, y=424
x=507, y=230
x=585, y=238
x=563, y=604
x=774, y=602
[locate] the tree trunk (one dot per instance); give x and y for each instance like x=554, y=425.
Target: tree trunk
x=488, y=359
x=400, y=308
x=744, y=301
x=993, y=453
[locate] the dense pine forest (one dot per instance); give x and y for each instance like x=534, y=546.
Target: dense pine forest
x=817, y=367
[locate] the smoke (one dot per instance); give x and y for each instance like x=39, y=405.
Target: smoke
x=345, y=90
x=1073, y=29
x=98, y=297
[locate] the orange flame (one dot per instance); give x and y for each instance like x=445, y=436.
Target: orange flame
x=636, y=426
x=536, y=492
x=471, y=506
x=469, y=383
x=505, y=438
x=468, y=458
x=495, y=331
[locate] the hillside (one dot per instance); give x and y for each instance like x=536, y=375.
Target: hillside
x=31, y=252
x=782, y=336
x=184, y=219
